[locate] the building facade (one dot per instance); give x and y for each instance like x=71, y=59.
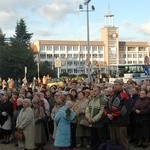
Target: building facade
x=103, y=53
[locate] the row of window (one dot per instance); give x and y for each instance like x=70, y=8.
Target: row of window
x=51, y=56
x=132, y=55
x=79, y=64
x=132, y=49
x=131, y=62
x=72, y=71
x=69, y=48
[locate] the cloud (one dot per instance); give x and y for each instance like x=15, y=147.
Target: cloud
x=144, y=28
x=140, y=28
x=13, y=4
x=127, y=25
x=58, y=10
x=43, y=33
x=7, y=19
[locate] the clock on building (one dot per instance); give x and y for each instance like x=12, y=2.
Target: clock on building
x=114, y=35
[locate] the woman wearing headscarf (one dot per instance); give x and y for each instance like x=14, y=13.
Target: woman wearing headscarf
x=26, y=123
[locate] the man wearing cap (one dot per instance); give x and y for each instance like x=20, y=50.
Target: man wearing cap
x=117, y=113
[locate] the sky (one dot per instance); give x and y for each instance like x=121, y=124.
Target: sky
x=62, y=20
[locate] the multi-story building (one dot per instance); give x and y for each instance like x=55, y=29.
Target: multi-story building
x=103, y=53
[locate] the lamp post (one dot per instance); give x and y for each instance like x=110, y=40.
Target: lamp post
x=38, y=65
x=88, y=36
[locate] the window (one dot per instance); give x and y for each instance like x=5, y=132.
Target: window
x=121, y=49
x=100, y=55
x=76, y=63
x=140, y=62
x=82, y=55
x=62, y=55
x=62, y=48
x=94, y=55
x=69, y=48
x=49, y=48
x=75, y=71
x=76, y=55
x=94, y=48
x=69, y=63
x=42, y=48
x=129, y=55
x=63, y=63
x=88, y=55
x=82, y=63
x=75, y=48
x=141, y=48
x=69, y=55
x=63, y=70
x=83, y=48
x=129, y=62
x=134, y=62
x=70, y=70
x=56, y=55
x=49, y=56
x=134, y=55
x=100, y=49
x=131, y=49
x=124, y=55
x=56, y=48
x=42, y=56
x=140, y=56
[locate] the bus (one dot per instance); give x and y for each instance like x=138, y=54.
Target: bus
x=135, y=72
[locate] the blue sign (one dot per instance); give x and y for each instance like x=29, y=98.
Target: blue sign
x=147, y=70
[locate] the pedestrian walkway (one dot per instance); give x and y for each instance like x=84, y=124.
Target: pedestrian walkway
x=49, y=146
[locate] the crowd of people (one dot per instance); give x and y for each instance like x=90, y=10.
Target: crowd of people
x=77, y=115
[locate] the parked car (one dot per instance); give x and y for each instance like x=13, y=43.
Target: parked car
x=57, y=82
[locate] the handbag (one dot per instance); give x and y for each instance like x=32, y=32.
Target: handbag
x=19, y=135
x=111, y=146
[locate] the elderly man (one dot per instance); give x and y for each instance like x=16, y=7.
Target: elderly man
x=117, y=112
x=94, y=113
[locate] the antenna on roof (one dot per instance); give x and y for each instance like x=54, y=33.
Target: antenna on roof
x=109, y=19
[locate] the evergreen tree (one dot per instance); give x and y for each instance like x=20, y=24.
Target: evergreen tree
x=18, y=55
x=21, y=33
x=2, y=38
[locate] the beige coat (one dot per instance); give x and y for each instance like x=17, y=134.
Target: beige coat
x=25, y=121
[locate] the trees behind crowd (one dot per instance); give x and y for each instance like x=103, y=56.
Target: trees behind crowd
x=17, y=54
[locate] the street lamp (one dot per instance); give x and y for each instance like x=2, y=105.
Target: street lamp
x=88, y=36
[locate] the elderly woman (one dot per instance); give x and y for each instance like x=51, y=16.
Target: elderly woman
x=82, y=131
x=59, y=103
x=16, y=114
x=40, y=137
x=26, y=123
